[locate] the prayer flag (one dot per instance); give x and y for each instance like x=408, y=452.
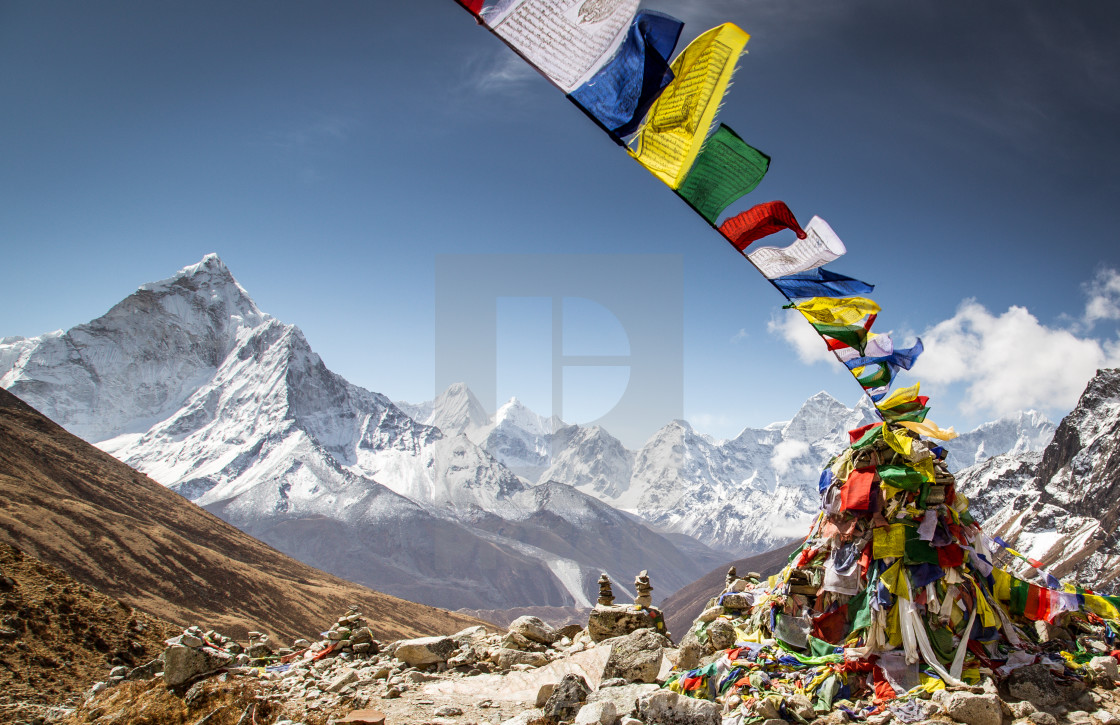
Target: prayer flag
x=899, y=397
x=759, y=221
x=903, y=477
x=819, y=247
x=474, y=6
x=899, y=443
x=621, y=92
x=903, y=359
x=889, y=541
x=857, y=433
x=876, y=346
x=844, y=335
x=837, y=311
x=820, y=282
x=877, y=376
x=669, y=140
x=930, y=430
x=726, y=169
x=567, y=41
x=855, y=494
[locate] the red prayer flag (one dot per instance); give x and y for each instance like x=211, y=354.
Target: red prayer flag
x=475, y=6
x=832, y=627
x=856, y=433
x=1033, y=595
x=758, y=222
x=855, y=494
x=949, y=557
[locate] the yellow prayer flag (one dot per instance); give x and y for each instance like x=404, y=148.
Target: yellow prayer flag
x=898, y=397
x=925, y=467
x=671, y=136
x=900, y=443
x=987, y=615
x=894, y=625
x=894, y=579
x=1101, y=607
x=930, y=430
x=1002, y=589
x=840, y=311
x=889, y=541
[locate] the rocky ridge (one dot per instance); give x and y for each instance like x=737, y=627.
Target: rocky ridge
x=1061, y=507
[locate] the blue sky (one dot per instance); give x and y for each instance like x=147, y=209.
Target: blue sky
x=330, y=153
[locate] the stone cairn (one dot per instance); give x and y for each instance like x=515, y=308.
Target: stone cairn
x=608, y=619
x=643, y=589
x=606, y=596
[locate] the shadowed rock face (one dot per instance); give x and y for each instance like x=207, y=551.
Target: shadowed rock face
x=1062, y=508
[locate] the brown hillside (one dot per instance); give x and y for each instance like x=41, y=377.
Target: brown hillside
x=687, y=602
x=75, y=507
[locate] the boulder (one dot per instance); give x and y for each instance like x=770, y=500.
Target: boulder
x=596, y=713
x=567, y=699
x=666, y=707
x=973, y=709
x=183, y=664
x=623, y=697
x=425, y=650
x=534, y=629
x=692, y=650
x=1104, y=666
x=721, y=635
x=508, y=657
x=636, y=657
x=616, y=621
x=1035, y=684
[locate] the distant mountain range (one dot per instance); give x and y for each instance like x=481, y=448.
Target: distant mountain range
x=439, y=502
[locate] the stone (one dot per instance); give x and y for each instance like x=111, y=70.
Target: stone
x=691, y=651
x=801, y=706
x=721, y=635
x=636, y=657
x=737, y=601
x=1040, y=717
x=606, y=596
x=709, y=614
x=1051, y=633
x=524, y=717
x=343, y=679
x=363, y=717
x=425, y=650
x=449, y=711
x=596, y=713
x=1104, y=666
x=623, y=697
x=145, y=671
x=643, y=588
x=973, y=709
x=190, y=640
x=1104, y=717
x=544, y=693
x=118, y=671
x=567, y=699
x=1021, y=709
x=259, y=650
x=1035, y=684
x=183, y=664
x=508, y=658
x=606, y=622
x=666, y=707
x=534, y=629
x=515, y=640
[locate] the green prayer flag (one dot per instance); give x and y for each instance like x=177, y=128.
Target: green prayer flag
x=903, y=477
x=918, y=551
x=851, y=335
x=726, y=169
x=1019, y=590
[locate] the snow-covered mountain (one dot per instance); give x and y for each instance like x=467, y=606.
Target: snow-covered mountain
x=1061, y=507
x=743, y=495
x=189, y=382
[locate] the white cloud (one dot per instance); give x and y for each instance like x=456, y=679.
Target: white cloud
x=739, y=336
x=1011, y=361
x=502, y=73
x=786, y=452
x=794, y=329
x=1104, y=297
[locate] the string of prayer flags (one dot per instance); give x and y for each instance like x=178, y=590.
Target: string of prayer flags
x=669, y=140
x=820, y=282
x=838, y=336
x=621, y=92
x=819, y=247
x=875, y=346
x=759, y=221
x=566, y=42
x=726, y=169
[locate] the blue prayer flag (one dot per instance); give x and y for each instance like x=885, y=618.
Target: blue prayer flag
x=619, y=94
x=820, y=282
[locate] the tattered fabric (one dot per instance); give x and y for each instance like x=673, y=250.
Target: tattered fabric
x=726, y=169
x=669, y=140
x=819, y=247
x=566, y=43
x=621, y=92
